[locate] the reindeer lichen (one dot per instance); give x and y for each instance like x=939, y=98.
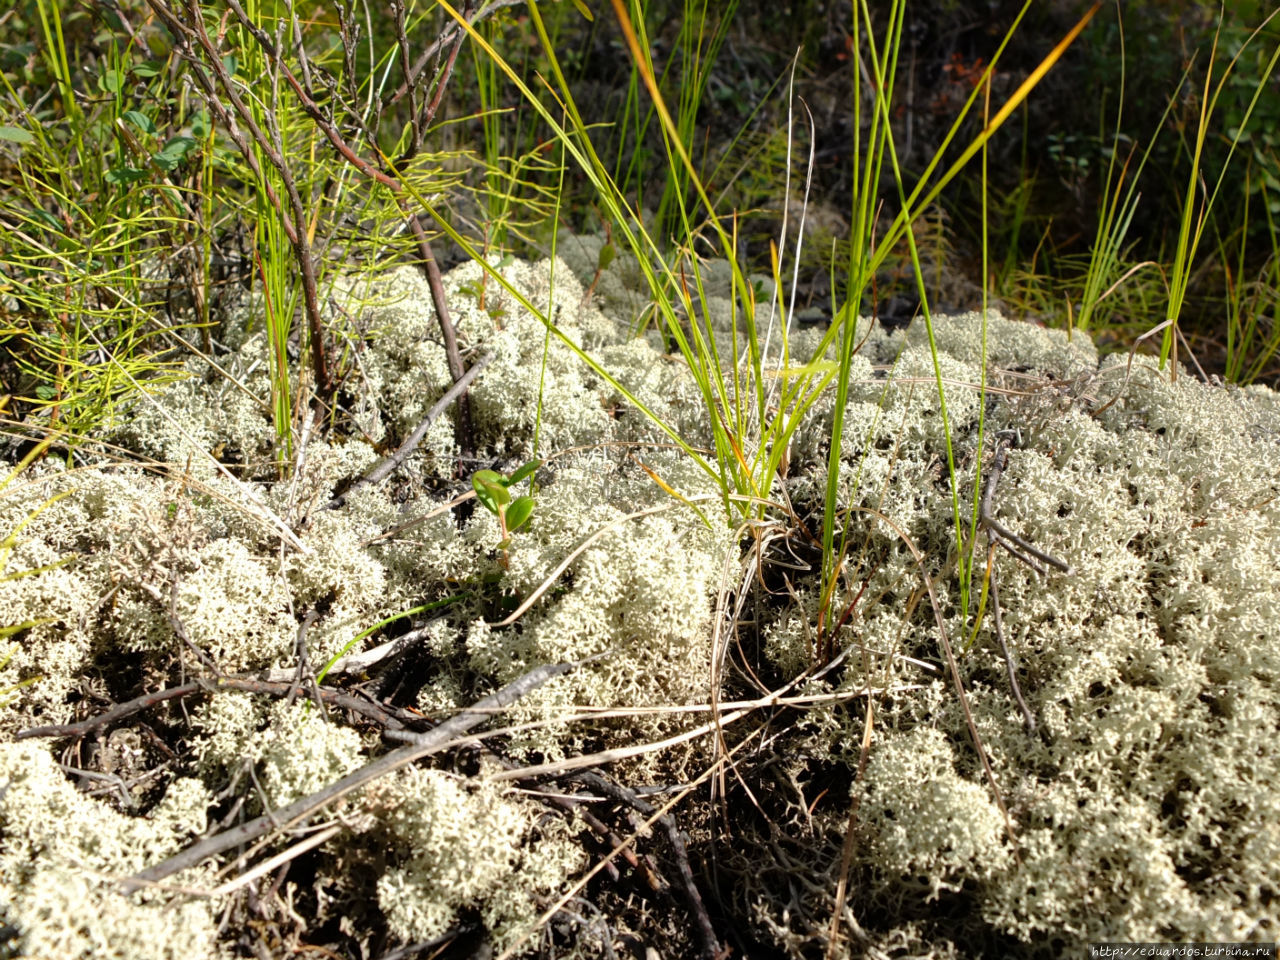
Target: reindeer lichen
x=1149, y=668
x=61, y=854
x=459, y=846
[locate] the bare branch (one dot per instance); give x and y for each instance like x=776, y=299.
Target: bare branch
x=191, y=27
x=424, y=745
x=391, y=463
x=450, y=35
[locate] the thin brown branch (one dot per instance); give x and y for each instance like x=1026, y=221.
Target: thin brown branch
x=450, y=35
x=688, y=885
x=294, y=220
x=302, y=672
x=402, y=41
x=184, y=35
x=119, y=712
x=180, y=629
x=1011, y=666
x=385, y=467
x=850, y=840
x=462, y=425
x=953, y=667
x=332, y=698
x=343, y=701
x=1000, y=536
x=298, y=236
x=447, y=71
x=433, y=741
x=308, y=105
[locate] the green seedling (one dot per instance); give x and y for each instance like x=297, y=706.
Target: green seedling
x=493, y=490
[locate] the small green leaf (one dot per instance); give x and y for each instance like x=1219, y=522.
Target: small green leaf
x=491, y=489
x=231, y=63
x=489, y=476
x=504, y=544
x=145, y=70
x=140, y=120
x=607, y=253
x=16, y=135
x=201, y=124
x=525, y=471
x=583, y=9
x=180, y=146
x=111, y=81
x=124, y=175
x=518, y=513
x=174, y=152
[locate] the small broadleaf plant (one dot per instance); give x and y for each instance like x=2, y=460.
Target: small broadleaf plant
x=493, y=490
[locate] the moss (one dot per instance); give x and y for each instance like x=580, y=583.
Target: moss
x=303, y=751
x=641, y=595
x=228, y=727
x=1009, y=344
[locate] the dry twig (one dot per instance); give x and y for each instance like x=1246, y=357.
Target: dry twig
x=433, y=741
x=1028, y=553
x=385, y=467
x=342, y=701
x=702, y=922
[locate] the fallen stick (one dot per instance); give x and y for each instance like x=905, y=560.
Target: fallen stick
x=386, y=466
x=433, y=741
x=118, y=712
x=689, y=886
x=268, y=687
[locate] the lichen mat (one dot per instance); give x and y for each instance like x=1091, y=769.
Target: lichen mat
x=1144, y=803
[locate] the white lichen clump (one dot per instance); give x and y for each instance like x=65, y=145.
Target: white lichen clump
x=467, y=846
x=160, y=573
x=62, y=853
x=923, y=817
x=1144, y=813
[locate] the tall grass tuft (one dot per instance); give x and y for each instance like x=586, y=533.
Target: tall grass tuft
x=1253, y=306
x=1197, y=200
x=754, y=400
